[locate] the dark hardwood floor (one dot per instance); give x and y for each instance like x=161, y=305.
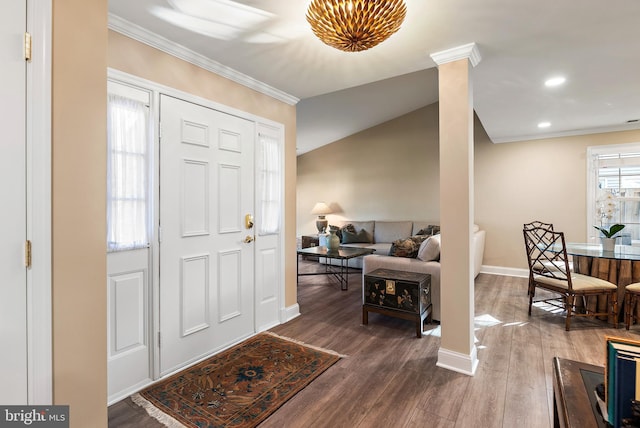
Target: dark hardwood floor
x=389, y=377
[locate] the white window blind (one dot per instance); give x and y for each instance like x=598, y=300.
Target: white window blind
x=269, y=185
x=127, y=174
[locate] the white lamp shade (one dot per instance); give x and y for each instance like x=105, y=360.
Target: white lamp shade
x=321, y=209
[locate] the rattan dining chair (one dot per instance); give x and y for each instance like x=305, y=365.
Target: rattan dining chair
x=631, y=295
x=538, y=225
x=549, y=270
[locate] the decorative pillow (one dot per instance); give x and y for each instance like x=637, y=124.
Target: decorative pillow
x=352, y=238
x=348, y=228
x=431, y=229
x=404, y=248
x=419, y=239
x=430, y=249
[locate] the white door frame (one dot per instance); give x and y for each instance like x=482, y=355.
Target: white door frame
x=39, y=300
x=156, y=89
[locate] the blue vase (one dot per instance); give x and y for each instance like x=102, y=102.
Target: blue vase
x=333, y=242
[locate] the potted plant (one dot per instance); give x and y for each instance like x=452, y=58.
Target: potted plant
x=609, y=239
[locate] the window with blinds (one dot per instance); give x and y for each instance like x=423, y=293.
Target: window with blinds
x=614, y=173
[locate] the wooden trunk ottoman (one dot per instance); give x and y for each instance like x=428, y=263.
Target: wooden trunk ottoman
x=399, y=294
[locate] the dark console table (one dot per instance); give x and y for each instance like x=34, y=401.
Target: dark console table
x=573, y=394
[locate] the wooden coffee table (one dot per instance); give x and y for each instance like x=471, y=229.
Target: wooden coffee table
x=340, y=272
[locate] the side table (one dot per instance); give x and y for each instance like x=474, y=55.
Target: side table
x=399, y=294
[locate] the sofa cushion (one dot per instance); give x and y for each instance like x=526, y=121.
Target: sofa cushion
x=350, y=238
x=430, y=249
x=389, y=231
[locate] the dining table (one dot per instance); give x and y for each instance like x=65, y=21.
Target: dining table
x=620, y=267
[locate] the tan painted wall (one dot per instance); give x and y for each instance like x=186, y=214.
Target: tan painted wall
x=141, y=60
x=79, y=70
x=391, y=172
x=534, y=180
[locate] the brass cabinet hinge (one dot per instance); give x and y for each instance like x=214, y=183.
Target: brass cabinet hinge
x=27, y=254
x=27, y=46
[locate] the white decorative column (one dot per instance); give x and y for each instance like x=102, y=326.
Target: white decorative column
x=457, y=349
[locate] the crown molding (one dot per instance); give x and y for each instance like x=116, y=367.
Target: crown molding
x=469, y=51
x=571, y=133
x=156, y=41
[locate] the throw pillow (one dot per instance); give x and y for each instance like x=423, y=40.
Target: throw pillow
x=419, y=239
x=431, y=229
x=430, y=249
x=404, y=248
x=348, y=228
x=352, y=238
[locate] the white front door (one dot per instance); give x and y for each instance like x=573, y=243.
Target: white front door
x=13, y=274
x=206, y=249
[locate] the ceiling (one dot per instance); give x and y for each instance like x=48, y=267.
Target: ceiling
x=594, y=44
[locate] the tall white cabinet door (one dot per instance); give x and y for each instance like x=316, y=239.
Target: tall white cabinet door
x=206, y=251
x=13, y=280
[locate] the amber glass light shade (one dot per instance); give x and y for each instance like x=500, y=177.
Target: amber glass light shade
x=355, y=25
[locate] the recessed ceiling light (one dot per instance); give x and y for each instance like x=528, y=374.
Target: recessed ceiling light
x=544, y=124
x=555, y=81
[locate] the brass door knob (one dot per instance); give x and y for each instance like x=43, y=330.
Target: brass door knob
x=248, y=239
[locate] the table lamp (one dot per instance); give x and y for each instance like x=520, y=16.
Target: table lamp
x=321, y=209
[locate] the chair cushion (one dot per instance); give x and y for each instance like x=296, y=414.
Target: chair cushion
x=556, y=266
x=634, y=288
x=579, y=282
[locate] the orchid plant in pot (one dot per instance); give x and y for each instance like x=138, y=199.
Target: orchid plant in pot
x=609, y=236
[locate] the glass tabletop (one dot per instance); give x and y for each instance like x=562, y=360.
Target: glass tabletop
x=622, y=252
x=340, y=253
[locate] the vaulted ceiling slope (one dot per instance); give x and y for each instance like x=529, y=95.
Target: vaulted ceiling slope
x=594, y=44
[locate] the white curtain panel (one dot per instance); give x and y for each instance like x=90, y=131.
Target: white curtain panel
x=269, y=185
x=127, y=174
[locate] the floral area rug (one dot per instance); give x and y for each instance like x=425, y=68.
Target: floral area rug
x=239, y=387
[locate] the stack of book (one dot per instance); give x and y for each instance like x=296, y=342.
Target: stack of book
x=622, y=381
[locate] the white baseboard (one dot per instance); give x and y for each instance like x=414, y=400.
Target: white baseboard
x=506, y=271
x=289, y=313
x=457, y=362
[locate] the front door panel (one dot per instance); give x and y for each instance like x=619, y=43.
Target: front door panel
x=206, y=267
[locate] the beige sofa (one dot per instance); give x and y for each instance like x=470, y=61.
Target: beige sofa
x=383, y=233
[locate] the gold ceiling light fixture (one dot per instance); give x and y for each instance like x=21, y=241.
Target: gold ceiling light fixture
x=355, y=25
